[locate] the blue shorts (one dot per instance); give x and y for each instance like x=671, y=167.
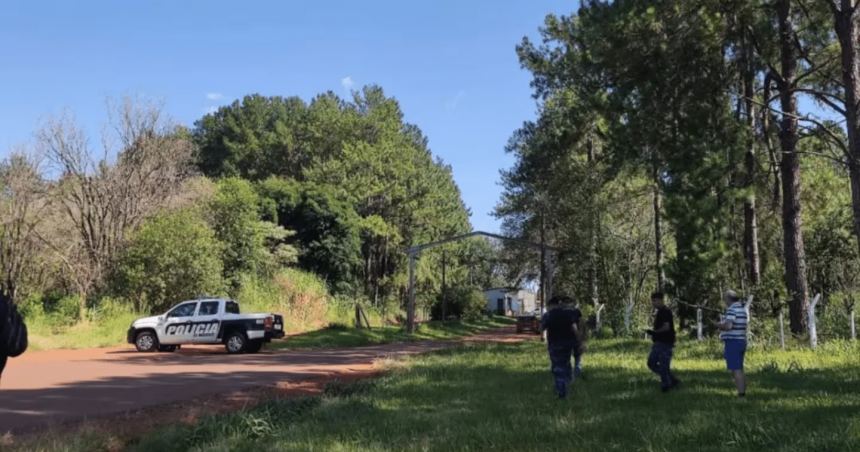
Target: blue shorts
x=734, y=354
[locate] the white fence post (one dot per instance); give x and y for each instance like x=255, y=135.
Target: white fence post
x=749, y=317
x=627, y=316
x=699, y=323
x=781, y=330
x=853, y=331
x=813, y=333
x=597, y=324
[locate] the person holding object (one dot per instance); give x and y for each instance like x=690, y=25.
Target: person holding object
x=733, y=333
x=564, y=337
x=663, y=337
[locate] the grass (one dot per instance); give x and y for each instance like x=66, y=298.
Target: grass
x=111, y=332
x=499, y=397
x=339, y=335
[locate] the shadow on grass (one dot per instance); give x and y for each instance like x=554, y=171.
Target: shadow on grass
x=499, y=397
x=355, y=337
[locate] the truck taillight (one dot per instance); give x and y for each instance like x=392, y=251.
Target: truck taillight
x=268, y=322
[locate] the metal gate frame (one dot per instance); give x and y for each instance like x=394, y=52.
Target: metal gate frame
x=410, y=311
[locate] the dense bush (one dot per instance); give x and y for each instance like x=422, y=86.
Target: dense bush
x=172, y=257
x=463, y=302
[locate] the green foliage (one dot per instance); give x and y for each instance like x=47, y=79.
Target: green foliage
x=359, y=185
x=250, y=246
x=172, y=257
x=462, y=303
x=300, y=296
x=798, y=400
x=384, y=334
x=327, y=229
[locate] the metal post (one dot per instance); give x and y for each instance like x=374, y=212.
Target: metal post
x=813, y=332
x=548, y=275
x=410, y=310
x=699, y=324
x=444, y=288
x=781, y=330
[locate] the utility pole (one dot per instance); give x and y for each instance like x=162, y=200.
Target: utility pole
x=444, y=289
x=410, y=309
x=543, y=287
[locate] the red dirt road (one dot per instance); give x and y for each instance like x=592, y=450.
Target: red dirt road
x=51, y=387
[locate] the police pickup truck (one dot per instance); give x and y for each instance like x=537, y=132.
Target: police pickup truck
x=205, y=321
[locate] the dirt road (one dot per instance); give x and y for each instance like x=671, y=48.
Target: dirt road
x=49, y=387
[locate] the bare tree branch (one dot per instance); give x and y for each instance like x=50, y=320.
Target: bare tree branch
x=823, y=97
x=104, y=199
x=823, y=127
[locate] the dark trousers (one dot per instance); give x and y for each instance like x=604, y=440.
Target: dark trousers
x=3, y=359
x=659, y=361
x=559, y=357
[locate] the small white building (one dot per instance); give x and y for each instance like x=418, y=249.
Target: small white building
x=510, y=300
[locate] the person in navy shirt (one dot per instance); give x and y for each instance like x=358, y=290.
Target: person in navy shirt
x=663, y=337
x=564, y=336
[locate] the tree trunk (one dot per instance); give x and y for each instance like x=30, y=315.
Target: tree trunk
x=595, y=224
x=543, y=299
x=795, y=259
x=774, y=162
x=848, y=32
x=658, y=232
x=750, y=224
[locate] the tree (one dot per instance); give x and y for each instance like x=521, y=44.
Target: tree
x=846, y=20
x=170, y=258
x=358, y=152
x=22, y=204
x=250, y=246
x=327, y=229
x=786, y=81
x=103, y=200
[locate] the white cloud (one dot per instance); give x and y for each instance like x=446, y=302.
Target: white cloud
x=451, y=105
x=213, y=96
x=347, y=83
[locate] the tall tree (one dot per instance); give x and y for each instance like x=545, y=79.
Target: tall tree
x=22, y=203
x=102, y=200
x=786, y=81
x=846, y=19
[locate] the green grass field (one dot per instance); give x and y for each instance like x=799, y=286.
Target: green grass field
x=344, y=336
x=111, y=331
x=499, y=397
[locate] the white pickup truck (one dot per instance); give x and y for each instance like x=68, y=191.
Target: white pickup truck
x=206, y=321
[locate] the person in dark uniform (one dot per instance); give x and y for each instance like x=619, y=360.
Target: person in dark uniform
x=564, y=336
x=663, y=336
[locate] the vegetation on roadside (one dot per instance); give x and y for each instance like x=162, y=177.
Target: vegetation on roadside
x=301, y=207
x=500, y=397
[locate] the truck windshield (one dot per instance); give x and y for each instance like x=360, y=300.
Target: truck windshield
x=231, y=308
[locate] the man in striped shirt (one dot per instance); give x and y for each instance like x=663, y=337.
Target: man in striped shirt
x=734, y=335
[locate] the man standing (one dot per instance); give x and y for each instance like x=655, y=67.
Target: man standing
x=734, y=336
x=663, y=337
x=563, y=337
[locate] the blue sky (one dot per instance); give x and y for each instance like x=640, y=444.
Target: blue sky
x=450, y=64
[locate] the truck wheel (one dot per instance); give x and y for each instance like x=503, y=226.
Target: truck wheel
x=254, y=346
x=167, y=348
x=236, y=342
x=146, y=342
